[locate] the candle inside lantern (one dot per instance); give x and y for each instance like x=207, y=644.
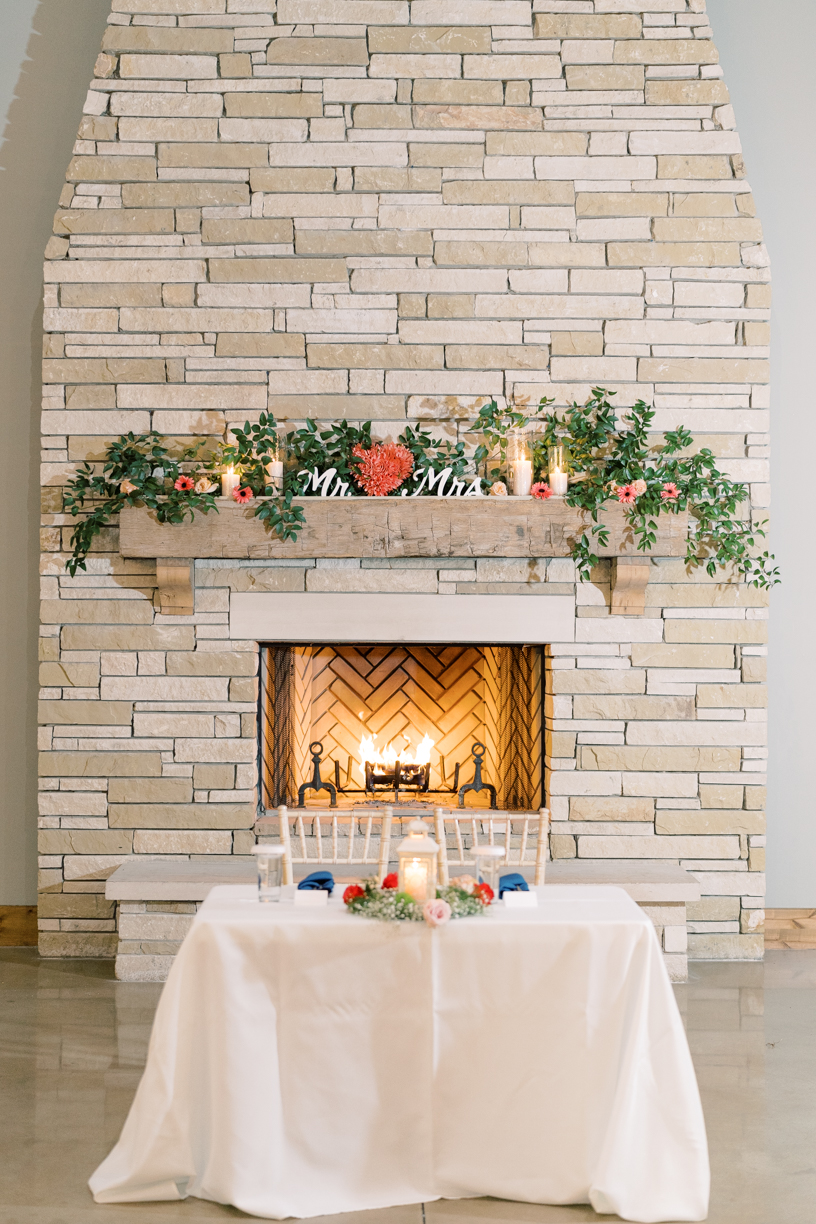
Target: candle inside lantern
x=229, y=480
x=417, y=863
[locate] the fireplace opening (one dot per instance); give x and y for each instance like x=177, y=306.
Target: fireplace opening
x=444, y=725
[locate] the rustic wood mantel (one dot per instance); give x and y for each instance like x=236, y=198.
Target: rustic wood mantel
x=387, y=527
x=370, y=528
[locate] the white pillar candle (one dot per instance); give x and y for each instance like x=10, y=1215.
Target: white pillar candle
x=274, y=471
x=559, y=482
x=522, y=477
x=229, y=480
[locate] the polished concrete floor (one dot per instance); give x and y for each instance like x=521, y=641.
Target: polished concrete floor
x=73, y=1043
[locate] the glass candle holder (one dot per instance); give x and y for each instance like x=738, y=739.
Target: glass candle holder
x=230, y=479
x=488, y=859
x=417, y=855
x=559, y=463
x=520, y=461
x=275, y=466
x=269, y=859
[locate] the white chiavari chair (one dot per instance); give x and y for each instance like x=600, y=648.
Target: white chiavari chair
x=330, y=837
x=524, y=836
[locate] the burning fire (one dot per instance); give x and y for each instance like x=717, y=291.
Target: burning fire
x=390, y=755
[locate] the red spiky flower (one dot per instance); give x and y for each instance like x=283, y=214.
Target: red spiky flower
x=383, y=468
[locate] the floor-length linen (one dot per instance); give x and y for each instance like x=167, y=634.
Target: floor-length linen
x=307, y=1061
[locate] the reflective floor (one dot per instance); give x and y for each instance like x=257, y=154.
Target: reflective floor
x=73, y=1043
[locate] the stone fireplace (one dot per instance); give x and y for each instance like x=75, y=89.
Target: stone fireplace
x=366, y=209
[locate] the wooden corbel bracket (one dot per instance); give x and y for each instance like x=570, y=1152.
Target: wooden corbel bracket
x=630, y=577
x=174, y=580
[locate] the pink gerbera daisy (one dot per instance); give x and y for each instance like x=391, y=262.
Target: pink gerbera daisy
x=184, y=484
x=541, y=489
x=626, y=494
x=670, y=492
x=242, y=495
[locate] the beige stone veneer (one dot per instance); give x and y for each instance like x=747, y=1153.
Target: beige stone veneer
x=382, y=209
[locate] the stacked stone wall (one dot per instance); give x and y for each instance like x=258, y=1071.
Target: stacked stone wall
x=377, y=209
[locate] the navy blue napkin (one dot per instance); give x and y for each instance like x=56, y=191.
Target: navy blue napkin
x=318, y=880
x=512, y=882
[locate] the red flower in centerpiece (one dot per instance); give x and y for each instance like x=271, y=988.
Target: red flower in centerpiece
x=484, y=892
x=541, y=489
x=626, y=494
x=391, y=880
x=352, y=892
x=184, y=484
x=242, y=495
x=670, y=492
x=383, y=468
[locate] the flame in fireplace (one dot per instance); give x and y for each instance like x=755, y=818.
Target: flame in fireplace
x=390, y=755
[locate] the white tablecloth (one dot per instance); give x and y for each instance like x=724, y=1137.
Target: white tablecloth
x=305, y=1062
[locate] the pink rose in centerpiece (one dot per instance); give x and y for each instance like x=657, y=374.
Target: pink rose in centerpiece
x=127, y=487
x=436, y=913
x=465, y=882
x=498, y=489
x=639, y=487
x=626, y=494
x=541, y=489
x=670, y=492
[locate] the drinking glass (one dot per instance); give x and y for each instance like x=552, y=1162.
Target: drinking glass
x=488, y=859
x=270, y=871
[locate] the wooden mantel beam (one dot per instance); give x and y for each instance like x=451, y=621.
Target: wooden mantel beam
x=392, y=527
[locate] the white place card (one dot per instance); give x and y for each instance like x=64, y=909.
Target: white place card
x=311, y=898
x=520, y=900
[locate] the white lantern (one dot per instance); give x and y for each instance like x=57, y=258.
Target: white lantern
x=417, y=863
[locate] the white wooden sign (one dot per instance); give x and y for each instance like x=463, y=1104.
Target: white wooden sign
x=440, y=484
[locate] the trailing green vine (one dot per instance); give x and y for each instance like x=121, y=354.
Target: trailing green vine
x=609, y=464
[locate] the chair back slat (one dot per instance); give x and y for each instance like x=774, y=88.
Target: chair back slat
x=525, y=842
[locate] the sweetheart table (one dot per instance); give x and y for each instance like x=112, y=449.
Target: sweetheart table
x=306, y=1061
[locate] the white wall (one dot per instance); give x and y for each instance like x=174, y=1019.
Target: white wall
x=47, y=52
x=766, y=50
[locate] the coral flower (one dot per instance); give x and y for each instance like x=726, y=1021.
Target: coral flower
x=498, y=489
x=383, y=468
x=390, y=881
x=127, y=487
x=484, y=892
x=436, y=913
x=184, y=484
x=670, y=492
x=242, y=495
x=639, y=487
x=541, y=489
x=626, y=494
x=352, y=892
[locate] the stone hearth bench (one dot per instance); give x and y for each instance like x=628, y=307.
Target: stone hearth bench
x=158, y=899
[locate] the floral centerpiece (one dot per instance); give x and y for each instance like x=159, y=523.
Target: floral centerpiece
x=462, y=898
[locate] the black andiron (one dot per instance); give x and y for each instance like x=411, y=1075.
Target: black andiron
x=317, y=783
x=477, y=784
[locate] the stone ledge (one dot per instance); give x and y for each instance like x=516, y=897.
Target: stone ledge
x=392, y=527
x=649, y=882
x=180, y=880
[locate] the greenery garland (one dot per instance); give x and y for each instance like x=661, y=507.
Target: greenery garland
x=609, y=464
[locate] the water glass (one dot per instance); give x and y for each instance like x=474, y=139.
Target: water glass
x=488, y=859
x=269, y=858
